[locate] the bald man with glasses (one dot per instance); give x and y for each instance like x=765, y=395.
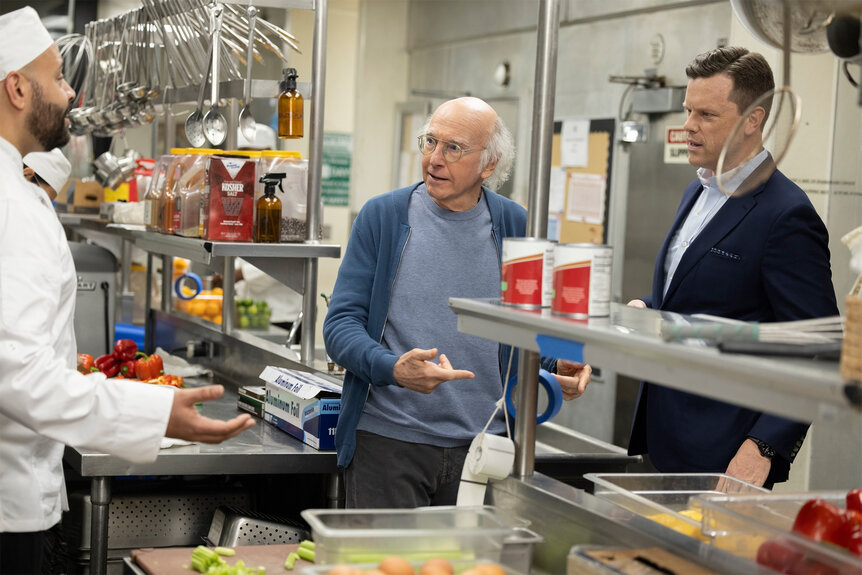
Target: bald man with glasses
x=407, y=414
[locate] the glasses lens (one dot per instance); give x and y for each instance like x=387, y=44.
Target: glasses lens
x=452, y=152
x=427, y=144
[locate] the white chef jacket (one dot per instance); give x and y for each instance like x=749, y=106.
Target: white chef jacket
x=44, y=402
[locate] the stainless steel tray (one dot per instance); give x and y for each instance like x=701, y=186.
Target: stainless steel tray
x=232, y=526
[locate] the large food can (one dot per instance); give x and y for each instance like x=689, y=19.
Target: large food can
x=582, y=280
x=527, y=274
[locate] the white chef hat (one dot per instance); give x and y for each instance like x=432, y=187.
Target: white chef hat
x=264, y=138
x=53, y=167
x=23, y=38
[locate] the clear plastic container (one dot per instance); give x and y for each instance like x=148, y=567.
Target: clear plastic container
x=191, y=189
x=458, y=566
x=155, y=193
x=740, y=524
x=664, y=497
x=206, y=305
x=369, y=535
x=169, y=221
x=294, y=218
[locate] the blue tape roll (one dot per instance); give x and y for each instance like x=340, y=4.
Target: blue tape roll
x=552, y=388
x=179, y=284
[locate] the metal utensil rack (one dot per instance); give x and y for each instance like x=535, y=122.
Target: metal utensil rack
x=300, y=272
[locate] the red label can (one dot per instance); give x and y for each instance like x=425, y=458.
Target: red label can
x=582, y=280
x=526, y=277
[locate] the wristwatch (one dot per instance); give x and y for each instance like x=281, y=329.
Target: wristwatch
x=765, y=449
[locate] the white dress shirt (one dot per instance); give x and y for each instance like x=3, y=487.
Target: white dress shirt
x=710, y=201
x=44, y=402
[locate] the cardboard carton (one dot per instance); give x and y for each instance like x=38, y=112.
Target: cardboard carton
x=303, y=404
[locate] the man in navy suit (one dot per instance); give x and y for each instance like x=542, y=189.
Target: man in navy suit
x=752, y=249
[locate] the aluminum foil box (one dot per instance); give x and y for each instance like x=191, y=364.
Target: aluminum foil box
x=302, y=404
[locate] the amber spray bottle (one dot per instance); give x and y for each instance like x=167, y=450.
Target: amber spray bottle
x=267, y=226
x=289, y=106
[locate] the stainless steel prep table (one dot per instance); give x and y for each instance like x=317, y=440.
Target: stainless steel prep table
x=262, y=449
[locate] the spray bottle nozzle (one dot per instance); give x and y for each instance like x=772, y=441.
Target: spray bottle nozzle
x=271, y=180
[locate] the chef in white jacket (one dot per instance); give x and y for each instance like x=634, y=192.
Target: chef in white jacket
x=44, y=402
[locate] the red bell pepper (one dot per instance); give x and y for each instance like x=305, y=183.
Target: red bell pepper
x=779, y=554
x=149, y=367
x=851, y=523
x=85, y=363
x=107, y=364
x=854, y=544
x=127, y=368
x=125, y=350
x=853, y=500
x=818, y=519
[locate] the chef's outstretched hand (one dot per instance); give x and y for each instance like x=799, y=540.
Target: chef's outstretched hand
x=573, y=377
x=415, y=370
x=186, y=423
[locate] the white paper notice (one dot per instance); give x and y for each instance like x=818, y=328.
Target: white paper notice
x=557, y=191
x=554, y=227
x=574, y=143
x=586, y=198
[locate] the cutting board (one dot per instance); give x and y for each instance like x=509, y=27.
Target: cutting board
x=170, y=560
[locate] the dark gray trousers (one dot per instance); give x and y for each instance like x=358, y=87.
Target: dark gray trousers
x=388, y=473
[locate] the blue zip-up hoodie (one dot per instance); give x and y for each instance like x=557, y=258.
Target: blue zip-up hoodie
x=359, y=306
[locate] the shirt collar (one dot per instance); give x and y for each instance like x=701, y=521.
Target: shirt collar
x=732, y=178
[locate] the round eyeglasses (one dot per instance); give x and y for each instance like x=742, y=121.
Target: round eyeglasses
x=452, y=152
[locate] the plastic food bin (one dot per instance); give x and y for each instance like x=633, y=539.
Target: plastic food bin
x=458, y=566
x=741, y=523
x=664, y=497
x=369, y=535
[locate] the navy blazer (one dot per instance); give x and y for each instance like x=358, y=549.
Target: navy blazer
x=763, y=257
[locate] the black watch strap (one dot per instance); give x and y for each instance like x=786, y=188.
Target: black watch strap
x=765, y=449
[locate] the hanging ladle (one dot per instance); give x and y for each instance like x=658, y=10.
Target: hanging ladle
x=215, y=125
x=247, y=125
x=195, y=121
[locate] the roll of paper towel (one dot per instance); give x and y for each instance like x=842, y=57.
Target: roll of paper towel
x=491, y=456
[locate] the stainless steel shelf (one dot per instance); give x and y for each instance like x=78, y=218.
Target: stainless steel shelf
x=628, y=343
x=203, y=251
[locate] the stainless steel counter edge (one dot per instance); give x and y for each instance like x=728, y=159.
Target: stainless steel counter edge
x=262, y=449
x=802, y=389
x=566, y=516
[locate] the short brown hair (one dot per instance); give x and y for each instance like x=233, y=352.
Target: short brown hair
x=750, y=72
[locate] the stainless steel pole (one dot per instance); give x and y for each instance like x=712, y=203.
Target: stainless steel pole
x=537, y=220
x=167, y=281
x=228, y=294
x=315, y=152
x=100, y=500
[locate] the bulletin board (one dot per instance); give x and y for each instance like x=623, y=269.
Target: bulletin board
x=583, y=215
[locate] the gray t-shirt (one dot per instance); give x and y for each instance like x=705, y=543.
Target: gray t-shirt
x=448, y=254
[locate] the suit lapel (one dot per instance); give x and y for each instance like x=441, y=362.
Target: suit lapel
x=730, y=214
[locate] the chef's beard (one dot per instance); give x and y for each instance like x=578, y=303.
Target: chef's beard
x=47, y=121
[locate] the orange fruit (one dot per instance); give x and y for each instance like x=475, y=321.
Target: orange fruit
x=213, y=308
